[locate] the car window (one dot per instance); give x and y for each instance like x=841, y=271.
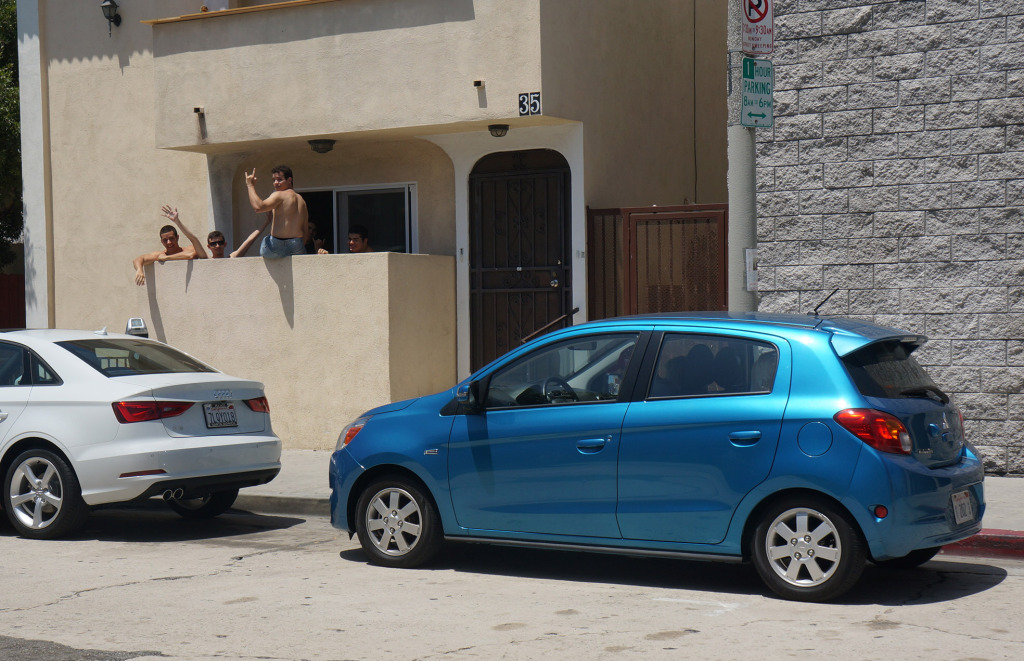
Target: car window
x=12, y=365
x=117, y=357
x=580, y=370
x=41, y=373
x=888, y=370
x=702, y=365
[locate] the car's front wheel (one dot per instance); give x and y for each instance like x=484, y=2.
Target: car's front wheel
x=397, y=524
x=204, y=507
x=42, y=496
x=807, y=550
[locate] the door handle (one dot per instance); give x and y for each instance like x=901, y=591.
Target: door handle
x=742, y=438
x=592, y=445
x=3, y=416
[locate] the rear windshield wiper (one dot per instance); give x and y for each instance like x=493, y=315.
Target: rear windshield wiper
x=926, y=391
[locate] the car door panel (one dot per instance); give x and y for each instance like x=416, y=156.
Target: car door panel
x=687, y=462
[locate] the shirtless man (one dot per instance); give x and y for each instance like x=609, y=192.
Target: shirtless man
x=172, y=251
x=288, y=225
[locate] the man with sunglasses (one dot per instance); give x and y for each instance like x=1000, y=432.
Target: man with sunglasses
x=216, y=243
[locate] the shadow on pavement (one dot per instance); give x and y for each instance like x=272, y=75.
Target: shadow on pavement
x=935, y=582
x=152, y=521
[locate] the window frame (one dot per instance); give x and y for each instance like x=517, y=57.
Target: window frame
x=339, y=212
x=29, y=361
x=651, y=366
x=625, y=385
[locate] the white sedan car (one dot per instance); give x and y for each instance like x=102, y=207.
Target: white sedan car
x=88, y=418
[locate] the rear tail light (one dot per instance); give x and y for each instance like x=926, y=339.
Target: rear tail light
x=881, y=431
x=258, y=404
x=142, y=411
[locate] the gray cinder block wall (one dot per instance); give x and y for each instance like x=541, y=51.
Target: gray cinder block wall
x=895, y=173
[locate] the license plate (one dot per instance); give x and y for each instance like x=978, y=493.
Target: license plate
x=963, y=507
x=220, y=414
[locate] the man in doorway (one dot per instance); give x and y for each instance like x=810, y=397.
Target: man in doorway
x=171, y=251
x=315, y=245
x=288, y=230
x=358, y=239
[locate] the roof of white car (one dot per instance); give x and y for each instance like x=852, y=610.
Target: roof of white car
x=61, y=335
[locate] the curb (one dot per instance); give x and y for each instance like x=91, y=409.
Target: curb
x=284, y=505
x=989, y=542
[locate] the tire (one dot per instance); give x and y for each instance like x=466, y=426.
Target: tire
x=204, y=507
x=807, y=550
x=42, y=496
x=910, y=560
x=398, y=526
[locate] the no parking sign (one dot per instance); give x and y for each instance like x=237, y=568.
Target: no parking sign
x=758, y=26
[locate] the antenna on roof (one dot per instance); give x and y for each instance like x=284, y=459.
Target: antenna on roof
x=815, y=312
x=102, y=331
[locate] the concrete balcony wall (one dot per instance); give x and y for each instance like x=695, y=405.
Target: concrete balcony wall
x=347, y=66
x=329, y=335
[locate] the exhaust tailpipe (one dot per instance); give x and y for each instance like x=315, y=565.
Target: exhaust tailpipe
x=167, y=495
x=178, y=493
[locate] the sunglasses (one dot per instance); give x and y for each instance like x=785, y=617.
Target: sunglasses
x=214, y=244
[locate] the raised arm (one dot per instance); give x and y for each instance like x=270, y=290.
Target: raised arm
x=197, y=248
x=242, y=249
x=258, y=205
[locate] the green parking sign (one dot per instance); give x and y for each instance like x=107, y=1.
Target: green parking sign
x=757, y=86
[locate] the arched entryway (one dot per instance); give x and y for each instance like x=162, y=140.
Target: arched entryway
x=520, y=238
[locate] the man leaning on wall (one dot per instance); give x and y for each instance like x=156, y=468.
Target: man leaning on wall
x=171, y=251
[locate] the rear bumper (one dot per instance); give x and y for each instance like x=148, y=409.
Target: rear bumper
x=919, y=501
x=195, y=487
x=196, y=465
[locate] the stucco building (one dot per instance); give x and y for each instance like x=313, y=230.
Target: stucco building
x=478, y=140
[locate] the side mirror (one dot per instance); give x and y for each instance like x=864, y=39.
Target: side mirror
x=468, y=396
x=136, y=326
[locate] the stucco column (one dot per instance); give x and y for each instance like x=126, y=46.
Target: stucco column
x=35, y=168
x=742, y=176
x=742, y=213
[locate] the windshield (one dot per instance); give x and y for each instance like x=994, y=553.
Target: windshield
x=131, y=357
x=886, y=369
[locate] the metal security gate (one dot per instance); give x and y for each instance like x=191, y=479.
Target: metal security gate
x=520, y=280
x=656, y=259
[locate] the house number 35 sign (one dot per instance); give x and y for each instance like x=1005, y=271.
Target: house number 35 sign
x=529, y=103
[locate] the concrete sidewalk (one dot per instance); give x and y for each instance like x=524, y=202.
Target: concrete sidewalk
x=301, y=488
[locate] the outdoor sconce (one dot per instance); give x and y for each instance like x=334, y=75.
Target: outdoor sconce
x=498, y=130
x=109, y=8
x=321, y=146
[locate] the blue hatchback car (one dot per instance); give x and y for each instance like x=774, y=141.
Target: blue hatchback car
x=806, y=445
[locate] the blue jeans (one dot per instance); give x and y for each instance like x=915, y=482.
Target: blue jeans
x=274, y=248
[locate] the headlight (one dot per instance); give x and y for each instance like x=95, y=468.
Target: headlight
x=349, y=432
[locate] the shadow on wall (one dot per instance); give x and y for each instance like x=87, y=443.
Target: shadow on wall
x=281, y=271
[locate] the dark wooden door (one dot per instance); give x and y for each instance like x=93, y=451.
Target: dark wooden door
x=520, y=280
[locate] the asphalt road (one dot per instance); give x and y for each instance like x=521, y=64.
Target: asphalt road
x=145, y=584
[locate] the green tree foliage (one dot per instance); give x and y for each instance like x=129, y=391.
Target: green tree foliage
x=11, y=218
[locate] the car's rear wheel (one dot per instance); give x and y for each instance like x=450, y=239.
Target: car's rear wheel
x=807, y=550
x=397, y=524
x=42, y=496
x=204, y=507
x=910, y=560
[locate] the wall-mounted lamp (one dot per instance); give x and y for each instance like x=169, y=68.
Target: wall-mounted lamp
x=321, y=146
x=109, y=8
x=498, y=130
